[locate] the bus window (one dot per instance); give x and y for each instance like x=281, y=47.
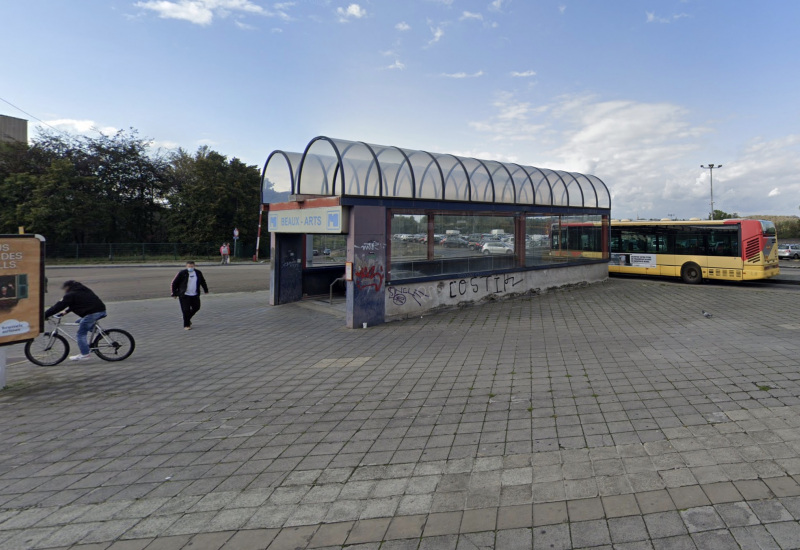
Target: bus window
x=724, y=242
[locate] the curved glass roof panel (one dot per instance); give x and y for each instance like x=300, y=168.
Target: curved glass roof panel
x=280, y=170
x=357, y=169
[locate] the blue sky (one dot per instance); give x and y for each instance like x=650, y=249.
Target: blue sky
x=637, y=92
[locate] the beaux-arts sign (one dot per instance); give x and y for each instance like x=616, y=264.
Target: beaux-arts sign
x=332, y=219
x=21, y=287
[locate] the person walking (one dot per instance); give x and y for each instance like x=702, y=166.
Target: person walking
x=225, y=252
x=186, y=287
x=81, y=301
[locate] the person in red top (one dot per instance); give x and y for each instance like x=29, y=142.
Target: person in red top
x=225, y=252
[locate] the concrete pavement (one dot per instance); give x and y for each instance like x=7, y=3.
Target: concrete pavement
x=614, y=414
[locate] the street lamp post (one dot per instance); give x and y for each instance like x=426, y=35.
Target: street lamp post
x=710, y=169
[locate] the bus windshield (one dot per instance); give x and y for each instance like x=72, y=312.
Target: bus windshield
x=768, y=228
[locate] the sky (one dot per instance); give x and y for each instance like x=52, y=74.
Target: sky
x=639, y=93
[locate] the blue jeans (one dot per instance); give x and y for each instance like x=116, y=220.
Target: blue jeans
x=85, y=327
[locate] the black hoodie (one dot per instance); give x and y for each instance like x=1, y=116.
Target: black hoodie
x=80, y=300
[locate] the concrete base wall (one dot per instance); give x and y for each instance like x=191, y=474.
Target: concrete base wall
x=411, y=299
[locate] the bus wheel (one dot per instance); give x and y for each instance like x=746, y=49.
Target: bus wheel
x=692, y=274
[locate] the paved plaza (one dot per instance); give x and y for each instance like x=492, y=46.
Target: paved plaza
x=607, y=416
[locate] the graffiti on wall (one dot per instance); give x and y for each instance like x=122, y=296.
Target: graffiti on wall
x=371, y=246
x=369, y=275
x=492, y=284
x=400, y=294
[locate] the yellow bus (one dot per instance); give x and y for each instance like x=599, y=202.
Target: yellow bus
x=731, y=250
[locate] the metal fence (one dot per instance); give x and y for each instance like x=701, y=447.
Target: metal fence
x=145, y=252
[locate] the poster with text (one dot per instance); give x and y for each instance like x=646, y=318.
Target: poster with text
x=21, y=287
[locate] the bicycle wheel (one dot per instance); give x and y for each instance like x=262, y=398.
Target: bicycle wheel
x=47, y=350
x=113, y=344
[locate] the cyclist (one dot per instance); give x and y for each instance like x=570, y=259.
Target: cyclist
x=81, y=301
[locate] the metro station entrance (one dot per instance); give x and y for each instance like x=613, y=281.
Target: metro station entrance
x=424, y=231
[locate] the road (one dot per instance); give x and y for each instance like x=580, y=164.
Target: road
x=116, y=284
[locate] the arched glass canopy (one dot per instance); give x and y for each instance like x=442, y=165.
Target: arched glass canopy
x=336, y=167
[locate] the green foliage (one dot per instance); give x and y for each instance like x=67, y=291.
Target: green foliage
x=116, y=188
x=722, y=215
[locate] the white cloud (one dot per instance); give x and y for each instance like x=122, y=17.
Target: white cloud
x=76, y=126
x=462, y=75
x=244, y=26
x=561, y=9
x=200, y=12
x=438, y=33
x=397, y=65
x=403, y=26
x=649, y=154
x=496, y=5
x=651, y=17
x=523, y=74
x=470, y=15
x=353, y=11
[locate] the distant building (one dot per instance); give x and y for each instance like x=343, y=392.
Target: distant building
x=13, y=129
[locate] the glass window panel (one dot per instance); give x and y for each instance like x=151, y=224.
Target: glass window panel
x=724, y=241
x=544, y=193
x=559, y=188
x=409, y=246
x=574, y=191
x=503, y=182
x=563, y=239
x=462, y=244
x=327, y=250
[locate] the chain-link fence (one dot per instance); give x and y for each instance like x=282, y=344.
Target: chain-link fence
x=146, y=252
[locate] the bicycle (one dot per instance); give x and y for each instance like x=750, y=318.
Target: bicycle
x=51, y=348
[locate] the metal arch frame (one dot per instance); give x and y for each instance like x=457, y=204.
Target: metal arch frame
x=339, y=166
x=444, y=179
x=574, y=179
x=438, y=167
x=545, y=179
x=288, y=163
x=488, y=173
x=376, y=163
x=510, y=178
x=527, y=175
x=605, y=188
x=566, y=189
x=410, y=170
x=596, y=199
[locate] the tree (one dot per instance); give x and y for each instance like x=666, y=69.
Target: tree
x=722, y=215
x=211, y=196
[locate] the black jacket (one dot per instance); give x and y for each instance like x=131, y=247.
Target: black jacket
x=80, y=301
x=181, y=281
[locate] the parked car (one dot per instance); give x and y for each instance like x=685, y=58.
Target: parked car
x=316, y=252
x=789, y=251
x=497, y=247
x=454, y=242
x=326, y=252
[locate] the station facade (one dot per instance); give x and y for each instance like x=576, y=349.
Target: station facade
x=407, y=232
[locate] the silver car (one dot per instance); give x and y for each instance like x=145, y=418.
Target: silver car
x=789, y=251
x=497, y=247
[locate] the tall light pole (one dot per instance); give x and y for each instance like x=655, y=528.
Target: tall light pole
x=710, y=169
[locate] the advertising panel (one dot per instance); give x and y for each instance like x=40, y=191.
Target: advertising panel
x=633, y=260
x=21, y=288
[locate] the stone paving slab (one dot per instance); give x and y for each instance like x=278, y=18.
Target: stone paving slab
x=613, y=414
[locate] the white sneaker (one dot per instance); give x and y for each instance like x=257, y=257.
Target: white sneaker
x=80, y=357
